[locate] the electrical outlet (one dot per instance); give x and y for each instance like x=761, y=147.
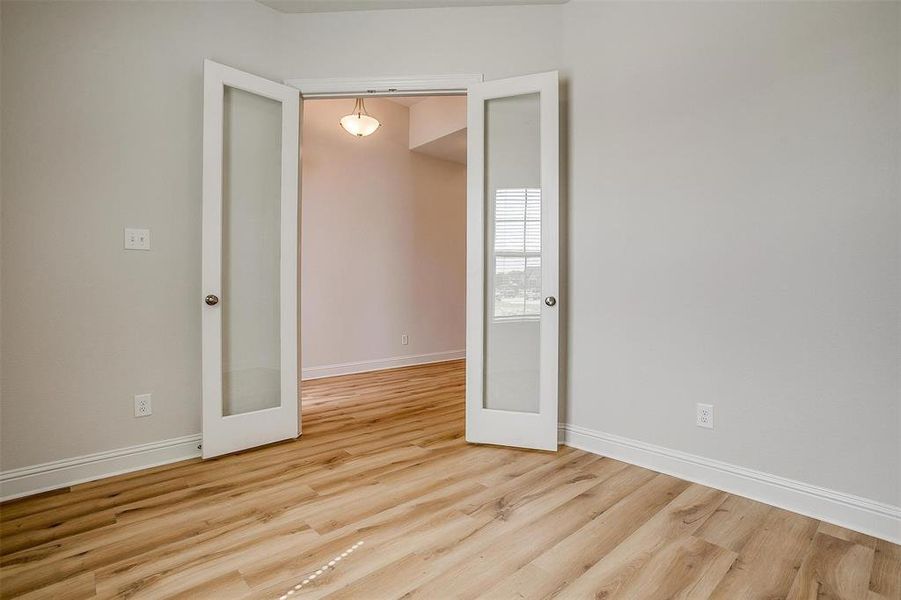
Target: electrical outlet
x=405, y=339
x=143, y=407
x=705, y=415
x=137, y=239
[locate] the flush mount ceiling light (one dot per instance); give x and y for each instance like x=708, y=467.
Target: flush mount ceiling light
x=359, y=123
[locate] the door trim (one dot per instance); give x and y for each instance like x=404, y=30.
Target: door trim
x=417, y=85
x=384, y=86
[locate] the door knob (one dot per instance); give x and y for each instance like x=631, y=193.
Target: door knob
x=211, y=300
x=550, y=301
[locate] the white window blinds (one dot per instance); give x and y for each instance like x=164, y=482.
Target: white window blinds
x=517, y=252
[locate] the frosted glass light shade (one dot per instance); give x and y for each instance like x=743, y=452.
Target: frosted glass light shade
x=359, y=123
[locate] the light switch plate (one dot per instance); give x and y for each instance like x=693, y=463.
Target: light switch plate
x=137, y=239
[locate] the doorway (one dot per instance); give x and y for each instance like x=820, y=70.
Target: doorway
x=512, y=167
x=383, y=235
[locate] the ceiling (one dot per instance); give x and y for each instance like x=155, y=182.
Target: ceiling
x=308, y=6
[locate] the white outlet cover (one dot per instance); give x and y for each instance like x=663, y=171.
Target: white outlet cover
x=137, y=239
x=705, y=415
x=143, y=405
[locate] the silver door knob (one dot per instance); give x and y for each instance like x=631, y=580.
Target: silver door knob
x=550, y=301
x=211, y=300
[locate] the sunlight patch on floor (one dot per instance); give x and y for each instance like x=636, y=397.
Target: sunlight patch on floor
x=330, y=565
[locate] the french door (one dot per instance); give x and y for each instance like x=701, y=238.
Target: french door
x=249, y=302
x=512, y=262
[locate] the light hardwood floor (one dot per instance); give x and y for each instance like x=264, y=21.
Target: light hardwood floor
x=381, y=498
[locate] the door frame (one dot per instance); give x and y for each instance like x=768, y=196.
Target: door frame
x=417, y=85
x=366, y=87
x=430, y=85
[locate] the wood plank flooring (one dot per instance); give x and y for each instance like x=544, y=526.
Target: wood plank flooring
x=381, y=498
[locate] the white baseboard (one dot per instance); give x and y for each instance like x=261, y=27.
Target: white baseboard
x=26, y=481
x=853, y=512
x=379, y=364
x=846, y=510
x=35, y=479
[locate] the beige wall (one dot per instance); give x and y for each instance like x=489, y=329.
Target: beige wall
x=732, y=186
x=383, y=246
x=436, y=117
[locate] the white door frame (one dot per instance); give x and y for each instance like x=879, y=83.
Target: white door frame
x=431, y=85
x=417, y=85
x=345, y=87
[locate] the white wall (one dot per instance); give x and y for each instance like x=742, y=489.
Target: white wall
x=734, y=233
x=101, y=129
x=732, y=195
x=383, y=242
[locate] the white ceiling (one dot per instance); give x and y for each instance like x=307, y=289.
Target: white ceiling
x=306, y=6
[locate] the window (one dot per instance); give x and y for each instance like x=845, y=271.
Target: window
x=517, y=253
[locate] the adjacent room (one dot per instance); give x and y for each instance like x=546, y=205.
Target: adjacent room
x=383, y=235
x=450, y=299
x=383, y=255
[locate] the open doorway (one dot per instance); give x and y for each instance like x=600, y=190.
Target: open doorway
x=512, y=132
x=383, y=244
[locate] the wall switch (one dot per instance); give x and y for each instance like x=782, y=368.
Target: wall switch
x=137, y=239
x=405, y=339
x=143, y=407
x=705, y=415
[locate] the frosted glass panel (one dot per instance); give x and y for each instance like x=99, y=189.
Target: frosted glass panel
x=513, y=253
x=251, y=205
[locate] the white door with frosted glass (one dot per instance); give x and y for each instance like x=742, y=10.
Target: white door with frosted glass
x=512, y=262
x=249, y=276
